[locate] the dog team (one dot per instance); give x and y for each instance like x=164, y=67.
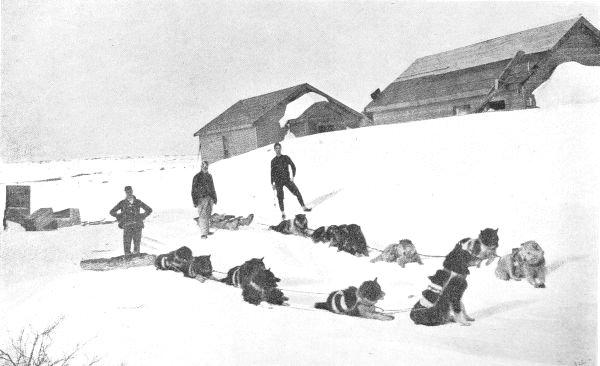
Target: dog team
x=440, y=303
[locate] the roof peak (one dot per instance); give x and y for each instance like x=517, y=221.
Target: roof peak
x=566, y=21
x=531, y=40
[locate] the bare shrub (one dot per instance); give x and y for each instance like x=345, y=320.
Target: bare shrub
x=34, y=350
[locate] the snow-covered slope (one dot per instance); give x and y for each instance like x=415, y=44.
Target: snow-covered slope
x=532, y=174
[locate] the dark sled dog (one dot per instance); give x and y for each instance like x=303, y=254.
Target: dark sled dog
x=402, y=253
x=488, y=244
x=182, y=260
x=256, y=281
x=442, y=302
x=199, y=267
x=176, y=260
x=356, y=302
x=347, y=238
x=296, y=226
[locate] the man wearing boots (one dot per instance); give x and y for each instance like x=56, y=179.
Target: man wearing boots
x=280, y=177
x=204, y=197
x=131, y=220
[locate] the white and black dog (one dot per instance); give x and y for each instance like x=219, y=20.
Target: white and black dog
x=296, y=226
x=356, y=301
x=442, y=302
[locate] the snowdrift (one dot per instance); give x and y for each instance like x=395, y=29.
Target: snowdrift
x=571, y=83
x=532, y=174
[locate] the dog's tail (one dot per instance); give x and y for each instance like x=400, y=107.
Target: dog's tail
x=321, y=305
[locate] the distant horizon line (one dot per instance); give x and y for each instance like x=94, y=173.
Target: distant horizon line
x=101, y=157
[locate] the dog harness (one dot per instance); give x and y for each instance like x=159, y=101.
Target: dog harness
x=344, y=301
x=190, y=270
x=258, y=288
x=235, y=277
x=434, y=290
x=163, y=263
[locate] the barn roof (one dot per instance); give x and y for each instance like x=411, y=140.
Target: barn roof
x=503, y=48
x=315, y=110
x=248, y=111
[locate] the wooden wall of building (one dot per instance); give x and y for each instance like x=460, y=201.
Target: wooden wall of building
x=580, y=45
x=227, y=144
x=268, y=130
x=324, y=118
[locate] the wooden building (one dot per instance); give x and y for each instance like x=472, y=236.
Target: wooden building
x=254, y=122
x=497, y=74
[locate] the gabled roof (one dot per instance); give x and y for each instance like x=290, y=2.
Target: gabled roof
x=317, y=109
x=503, y=48
x=247, y=112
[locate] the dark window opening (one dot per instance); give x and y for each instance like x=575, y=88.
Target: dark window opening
x=496, y=106
x=225, y=148
x=461, y=110
x=325, y=128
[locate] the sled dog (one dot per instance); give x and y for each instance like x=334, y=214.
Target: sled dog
x=527, y=261
x=296, y=226
x=256, y=281
x=402, y=253
x=442, y=301
x=356, y=302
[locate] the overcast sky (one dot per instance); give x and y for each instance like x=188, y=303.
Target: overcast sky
x=105, y=77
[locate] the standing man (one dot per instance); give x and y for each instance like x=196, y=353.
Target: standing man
x=131, y=220
x=280, y=177
x=204, y=197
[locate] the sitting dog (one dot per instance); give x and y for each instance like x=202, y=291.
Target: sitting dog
x=487, y=242
x=527, y=261
x=176, y=260
x=442, y=302
x=296, y=226
x=402, y=253
x=257, y=283
x=356, y=302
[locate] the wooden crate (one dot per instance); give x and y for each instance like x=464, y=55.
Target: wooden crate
x=68, y=217
x=42, y=219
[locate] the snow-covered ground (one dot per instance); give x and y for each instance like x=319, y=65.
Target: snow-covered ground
x=533, y=174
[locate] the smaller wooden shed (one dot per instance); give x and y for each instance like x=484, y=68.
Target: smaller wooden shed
x=254, y=122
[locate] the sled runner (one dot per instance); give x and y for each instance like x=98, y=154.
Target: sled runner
x=120, y=262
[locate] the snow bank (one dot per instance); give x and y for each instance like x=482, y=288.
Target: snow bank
x=571, y=83
x=295, y=108
x=533, y=174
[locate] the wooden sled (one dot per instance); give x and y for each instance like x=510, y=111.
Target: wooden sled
x=120, y=262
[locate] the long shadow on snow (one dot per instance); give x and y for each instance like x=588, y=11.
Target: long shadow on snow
x=317, y=201
x=500, y=308
x=560, y=262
